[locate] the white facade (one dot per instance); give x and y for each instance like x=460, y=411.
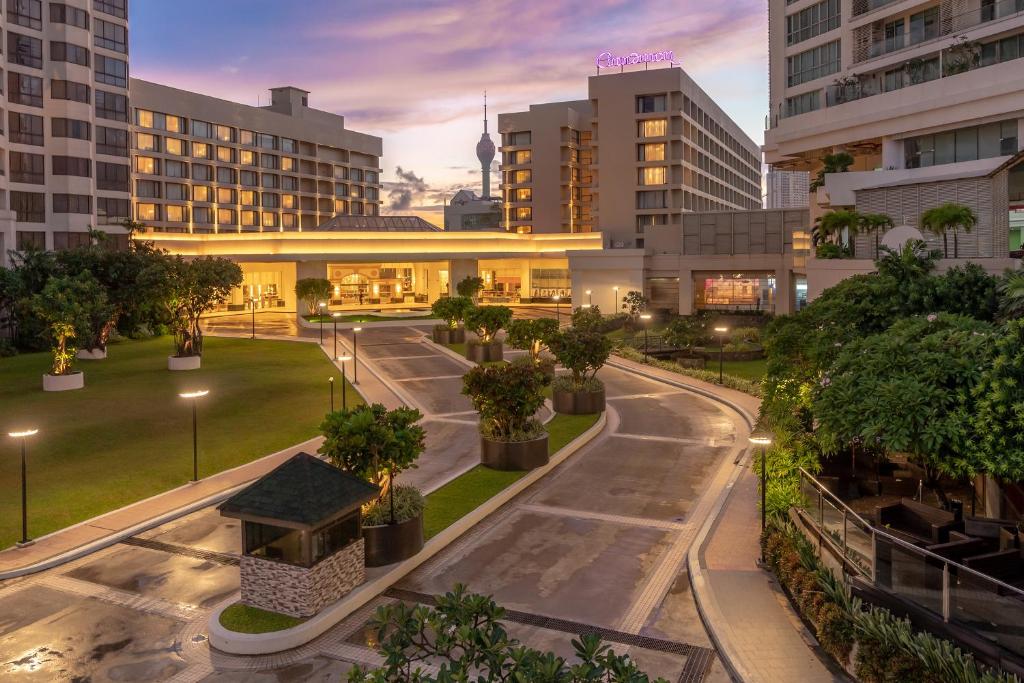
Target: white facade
x=787, y=189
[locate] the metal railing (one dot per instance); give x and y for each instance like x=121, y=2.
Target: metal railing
x=958, y=594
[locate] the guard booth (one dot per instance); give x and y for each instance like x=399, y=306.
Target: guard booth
x=302, y=541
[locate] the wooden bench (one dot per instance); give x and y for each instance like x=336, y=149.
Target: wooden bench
x=922, y=523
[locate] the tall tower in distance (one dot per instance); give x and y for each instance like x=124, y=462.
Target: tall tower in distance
x=485, y=153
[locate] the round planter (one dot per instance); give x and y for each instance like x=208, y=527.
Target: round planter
x=514, y=455
x=183, y=362
x=485, y=353
x=390, y=543
x=76, y=380
x=578, y=402
x=457, y=336
x=442, y=334
x=91, y=354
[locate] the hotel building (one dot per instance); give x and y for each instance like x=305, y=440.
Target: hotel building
x=64, y=130
x=927, y=96
x=658, y=142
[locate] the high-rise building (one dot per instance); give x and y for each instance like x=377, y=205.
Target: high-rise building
x=786, y=189
x=203, y=164
x=646, y=147
x=64, y=139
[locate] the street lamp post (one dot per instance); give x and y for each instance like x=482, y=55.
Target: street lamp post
x=330, y=380
x=721, y=349
x=194, y=396
x=334, y=319
x=616, y=290
x=344, y=399
x=763, y=442
x=252, y=305
x=558, y=309
x=321, y=319
x=590, y=297
x=646, y=317
x=23, y=437
x=355, y=354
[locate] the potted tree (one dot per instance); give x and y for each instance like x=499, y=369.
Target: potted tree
x=311, y=291
x=532, y=336
x=581, y=351
x=68, y=305
x=508, y=396
x=451, y=309
x=376, y=444
x=486, y=322
x=193, y=288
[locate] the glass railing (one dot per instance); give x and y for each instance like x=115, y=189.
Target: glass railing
x=864, y=6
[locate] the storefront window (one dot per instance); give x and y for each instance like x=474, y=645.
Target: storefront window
x=734, y=291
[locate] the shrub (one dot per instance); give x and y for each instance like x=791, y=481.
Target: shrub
x=564, y=383
x=312, y=290
x=487, y=321
x=688, y=331
x=745, y=335
x=409, y=504
x=507, y=396
x=452, y=309
x=531, y=335
x=470, y=286
x=737, y=383
x=582, y=351
x=832, y=251
x=7, y=349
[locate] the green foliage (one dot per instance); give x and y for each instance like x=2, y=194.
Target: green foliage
x=998, y=419
x=507, y=396
x=242, y=618
x=470, y=286
x=838, y=227
x=582, y=351
x=69, y=306
x=408, y=505
x=589, y=318
x=374, y=443
x=784, y=458
x=487, y=321
x=464, y=636
x=745, y=335
x=828, y=251
x=452, y=309
x=839, y=162
x=689, y=330
x=634, y=303
x=728, y=381
x=531, y=335
x=1010, y=290
x=191, y=288
x=313, y=290
x=939, y=220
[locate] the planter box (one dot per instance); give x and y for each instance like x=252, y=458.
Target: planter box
x=390, y=543
x=515, y=455
x=446, y=335
x=485, y=353
x=91, y=354
x=578, y=402
x=183, y=362
x=76, y=380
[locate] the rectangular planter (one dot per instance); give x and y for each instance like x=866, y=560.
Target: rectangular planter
x=578, y=402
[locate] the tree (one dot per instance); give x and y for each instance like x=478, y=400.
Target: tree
x=487, y=321
x=581, y=351
x=193, y=288
x=452, y=309
x=69, y=305
x=874, y=224
x=839, y=162
x=507, y=396
x=634, y=303
x=837, y=227
x=909, y=262
x=588, y=318
x=470, y=286
x=531, y=335
x=909, y=389
x=688, y=330
x=11, y=292
x=997, y=423
x=374, y=443
x=312, y=290
x=464, y=636
x=1011, y=294
x=940, y=220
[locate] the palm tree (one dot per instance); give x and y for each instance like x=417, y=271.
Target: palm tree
x=950, y=216
x=1011, y=294
x=839, y=162
x=875, y=223
x=911, y=261
x=831, y=226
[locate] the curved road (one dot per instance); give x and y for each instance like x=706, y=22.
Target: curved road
x=598, y=545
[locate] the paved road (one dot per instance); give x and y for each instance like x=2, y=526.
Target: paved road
x=601, y=542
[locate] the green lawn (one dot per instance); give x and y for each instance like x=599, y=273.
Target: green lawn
x=458, y=347
x=451, y=502
x=753, y=370
x=245, y=619
x=128, y=435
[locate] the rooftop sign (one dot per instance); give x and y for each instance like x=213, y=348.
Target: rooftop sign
x=607, y=60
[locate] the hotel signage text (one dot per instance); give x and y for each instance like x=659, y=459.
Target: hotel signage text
x=606, y=59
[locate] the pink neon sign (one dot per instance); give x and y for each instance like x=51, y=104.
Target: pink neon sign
x=606, y=59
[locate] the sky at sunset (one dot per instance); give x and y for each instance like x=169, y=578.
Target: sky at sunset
x=414, y=72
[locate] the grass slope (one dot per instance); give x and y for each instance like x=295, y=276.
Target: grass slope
x=128, y=435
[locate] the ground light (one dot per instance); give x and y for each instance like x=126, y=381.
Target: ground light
x=252, y=305
x=23, y=437
x=194, y=396
x=646, y=317
x=763, y=442
x=320, y=317
x=721, y=349
x=344, y=400
x=355, y=354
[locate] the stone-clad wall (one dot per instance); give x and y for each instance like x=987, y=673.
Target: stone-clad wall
x=298, y=591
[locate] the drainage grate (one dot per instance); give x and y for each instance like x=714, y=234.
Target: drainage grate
x=185, y=551
x=698, y=659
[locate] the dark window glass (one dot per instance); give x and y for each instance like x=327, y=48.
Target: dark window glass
x=70, y=240
x=31, y=240
x=69, y=90
x=175, y=169
x=24, y=89
x=226, y=175
x=27, y=168
x=68, y=52
x=62, y=14
x=25, y=13
x=111, y=71
x=116, y=8
x=266, y=141
x=112, y=141
x=111, y=106
x=248, y=178
x=30, y=207
x=24, y=50
x=650, y=103
x=177, y=191
x=63, y=165
x=110, y=210
x=202, y=129
x=111, y=36
x=70, y=128
x=72, y=203
x=202, y=172
x=25, y=128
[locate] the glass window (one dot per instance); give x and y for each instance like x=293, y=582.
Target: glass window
x=247, y=158
x=268, y=161
x=112, y=141
x=801, y=104
x=522, y=194
x=813, y=21
x=65, y=165
x=266, y=141
x=26, y=129
x=70, y=128
x=147, y=165
x=202, y=129
x=225, y=195
x=25, y=13
x=24, y=89
x=144, y=118
x=226, y=175
x=340, y=206
x=202, y=215
x=174, y=124
x=248, y=198
x=269, y=219
x=651, y=199
x=287, y=164
x=269, y=181
x=144, y=142
x=24, y=50
x=175, y=169
x=518, y=138
x=111, y=106
x=247, y=137
x=651, y=103
x=289, y=146
x=201, y=150
x=174, y=146
x=249, y=218
x=226, y=217
x=110, y=210
x=27, y=168
x=248, y=178
x=116, y=8
x=924, y=25
x=72, y=203
x=224, y=133
x=651, y=151
x=269, y=200
x=289, y=201
x=66, y=52
x=201, y=193
x=146, y=212
x=147, y=189
x=226, y=154
x=202, y=172
x=812, y=64
x=652, y=175
x=111, y=71
x=176, y=214
x=30, y=239
x=69, y=90
x=289, y=182
x=522, y=176
x=29, y=207
x=652, y=128
x=523, y=156
x=111, y=36
x=177, y=191
x=967, y=144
